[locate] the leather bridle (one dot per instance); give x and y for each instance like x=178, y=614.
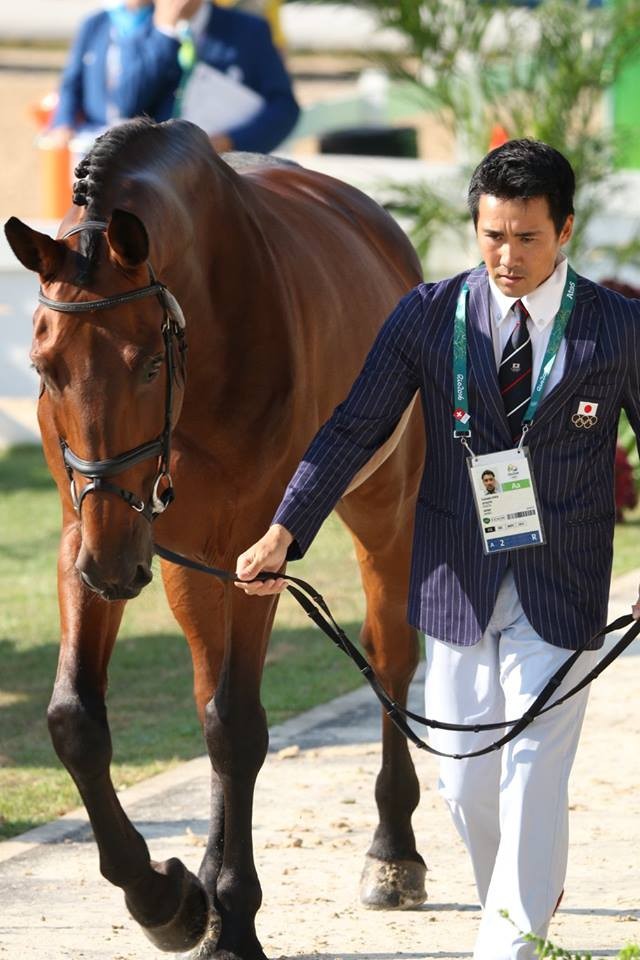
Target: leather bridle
x=97, y=471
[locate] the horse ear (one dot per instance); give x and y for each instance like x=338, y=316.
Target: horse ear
x=128, y=239
x=36, y=251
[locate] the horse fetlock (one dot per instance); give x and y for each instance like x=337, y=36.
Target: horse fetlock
x=170, y=905
x=207, y=948
x=238, y=893
x=393, y=884
x=240, y=944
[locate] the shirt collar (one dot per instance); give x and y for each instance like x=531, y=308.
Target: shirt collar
x=542, y=303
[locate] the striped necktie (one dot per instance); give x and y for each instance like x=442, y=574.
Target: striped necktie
x=514, y=374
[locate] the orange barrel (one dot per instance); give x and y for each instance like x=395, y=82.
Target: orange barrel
x=55, y=182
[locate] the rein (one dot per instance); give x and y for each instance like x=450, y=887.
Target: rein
x=316, y=608
x=97, y=471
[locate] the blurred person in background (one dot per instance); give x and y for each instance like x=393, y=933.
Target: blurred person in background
x=133, y=58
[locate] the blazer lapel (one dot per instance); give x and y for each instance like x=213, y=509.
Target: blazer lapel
x=482, y=358
x=580, y=336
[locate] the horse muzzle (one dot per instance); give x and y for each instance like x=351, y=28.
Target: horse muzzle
x=122, y=583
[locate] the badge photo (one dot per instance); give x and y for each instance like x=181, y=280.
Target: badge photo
x=585, y=416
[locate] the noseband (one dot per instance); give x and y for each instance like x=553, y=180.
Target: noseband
x=97, y=471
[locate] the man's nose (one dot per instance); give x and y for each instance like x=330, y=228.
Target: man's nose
x=508, y=255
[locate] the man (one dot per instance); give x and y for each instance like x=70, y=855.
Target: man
x=122, y=63
x=503, y=356
x=125, y=61
x=489, y=481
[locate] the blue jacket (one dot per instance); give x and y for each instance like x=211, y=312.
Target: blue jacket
x=149, y=76
x=240, y=44
x=563, y=585
x=233, y=42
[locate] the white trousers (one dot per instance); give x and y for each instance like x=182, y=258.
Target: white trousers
x=509, y=806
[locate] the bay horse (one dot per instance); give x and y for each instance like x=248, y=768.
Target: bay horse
x=279, y=278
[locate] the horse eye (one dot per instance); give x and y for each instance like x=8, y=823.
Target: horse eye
x=153, y=368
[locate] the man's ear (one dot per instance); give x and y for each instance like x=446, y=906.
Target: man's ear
x=567, y=230
x=35, y=251
x=128, y=239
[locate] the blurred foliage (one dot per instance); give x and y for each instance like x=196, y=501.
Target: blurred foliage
x=542, y=72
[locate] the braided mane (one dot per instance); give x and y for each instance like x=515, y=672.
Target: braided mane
x=93, y=171
x=98, y=171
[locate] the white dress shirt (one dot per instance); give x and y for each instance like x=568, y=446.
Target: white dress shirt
x=542, y=304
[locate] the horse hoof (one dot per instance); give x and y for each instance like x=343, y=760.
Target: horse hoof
x=189, y=923
x=392, y=884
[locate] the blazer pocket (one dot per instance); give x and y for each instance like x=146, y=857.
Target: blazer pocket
x=437, y=509
x=607, y=517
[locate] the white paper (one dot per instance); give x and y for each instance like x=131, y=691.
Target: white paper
x=216, y=102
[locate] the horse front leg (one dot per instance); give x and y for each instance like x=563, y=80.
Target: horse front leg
x=164, y=898
x=394, y=872
x=237, y=740
x=227, y=634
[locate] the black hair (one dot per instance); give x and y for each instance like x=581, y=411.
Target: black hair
x=488, y=473
x=522, y=170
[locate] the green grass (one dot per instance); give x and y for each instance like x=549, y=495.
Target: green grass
x=150, y=704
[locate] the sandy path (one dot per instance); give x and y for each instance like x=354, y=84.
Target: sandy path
x=314, y=816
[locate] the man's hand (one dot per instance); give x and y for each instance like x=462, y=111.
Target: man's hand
x=635, y=609
x=168, y=13
x=269, y=553
x=221, y=143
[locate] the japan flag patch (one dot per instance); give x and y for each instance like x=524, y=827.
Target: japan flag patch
x=585, y=416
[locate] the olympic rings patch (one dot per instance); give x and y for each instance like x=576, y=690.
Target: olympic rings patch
x=583, y=421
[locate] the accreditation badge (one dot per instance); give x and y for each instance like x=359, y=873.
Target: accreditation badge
x=506, y=501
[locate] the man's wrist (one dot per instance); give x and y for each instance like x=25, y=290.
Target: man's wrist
x=284, y=536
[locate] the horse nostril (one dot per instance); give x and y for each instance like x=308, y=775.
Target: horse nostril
x=86, y=580
x=144, y=575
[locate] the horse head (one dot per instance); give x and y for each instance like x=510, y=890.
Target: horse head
x=108, y=345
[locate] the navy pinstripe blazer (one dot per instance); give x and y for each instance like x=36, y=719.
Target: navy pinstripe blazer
x=563, y=585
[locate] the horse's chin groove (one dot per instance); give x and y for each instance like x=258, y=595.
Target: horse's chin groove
x=188, y=925
x=392, y=884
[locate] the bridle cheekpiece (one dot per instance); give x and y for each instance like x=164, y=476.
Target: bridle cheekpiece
x=97, y=471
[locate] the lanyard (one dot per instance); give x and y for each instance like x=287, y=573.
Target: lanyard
x=461, y=416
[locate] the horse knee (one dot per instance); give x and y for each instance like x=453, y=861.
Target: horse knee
x=79, y=732
x=237, y=739
x=392, y=649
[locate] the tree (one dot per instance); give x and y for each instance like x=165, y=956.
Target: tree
x=543, y=71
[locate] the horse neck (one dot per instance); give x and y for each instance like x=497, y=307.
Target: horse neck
x=222, y=271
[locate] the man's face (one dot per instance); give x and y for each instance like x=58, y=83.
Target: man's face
x=518, y=242
x=489, y=483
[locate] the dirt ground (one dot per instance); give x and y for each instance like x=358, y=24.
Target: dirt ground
x=314, y=816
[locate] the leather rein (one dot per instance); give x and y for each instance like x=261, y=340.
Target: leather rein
x=96, y=471
x=317, y=610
